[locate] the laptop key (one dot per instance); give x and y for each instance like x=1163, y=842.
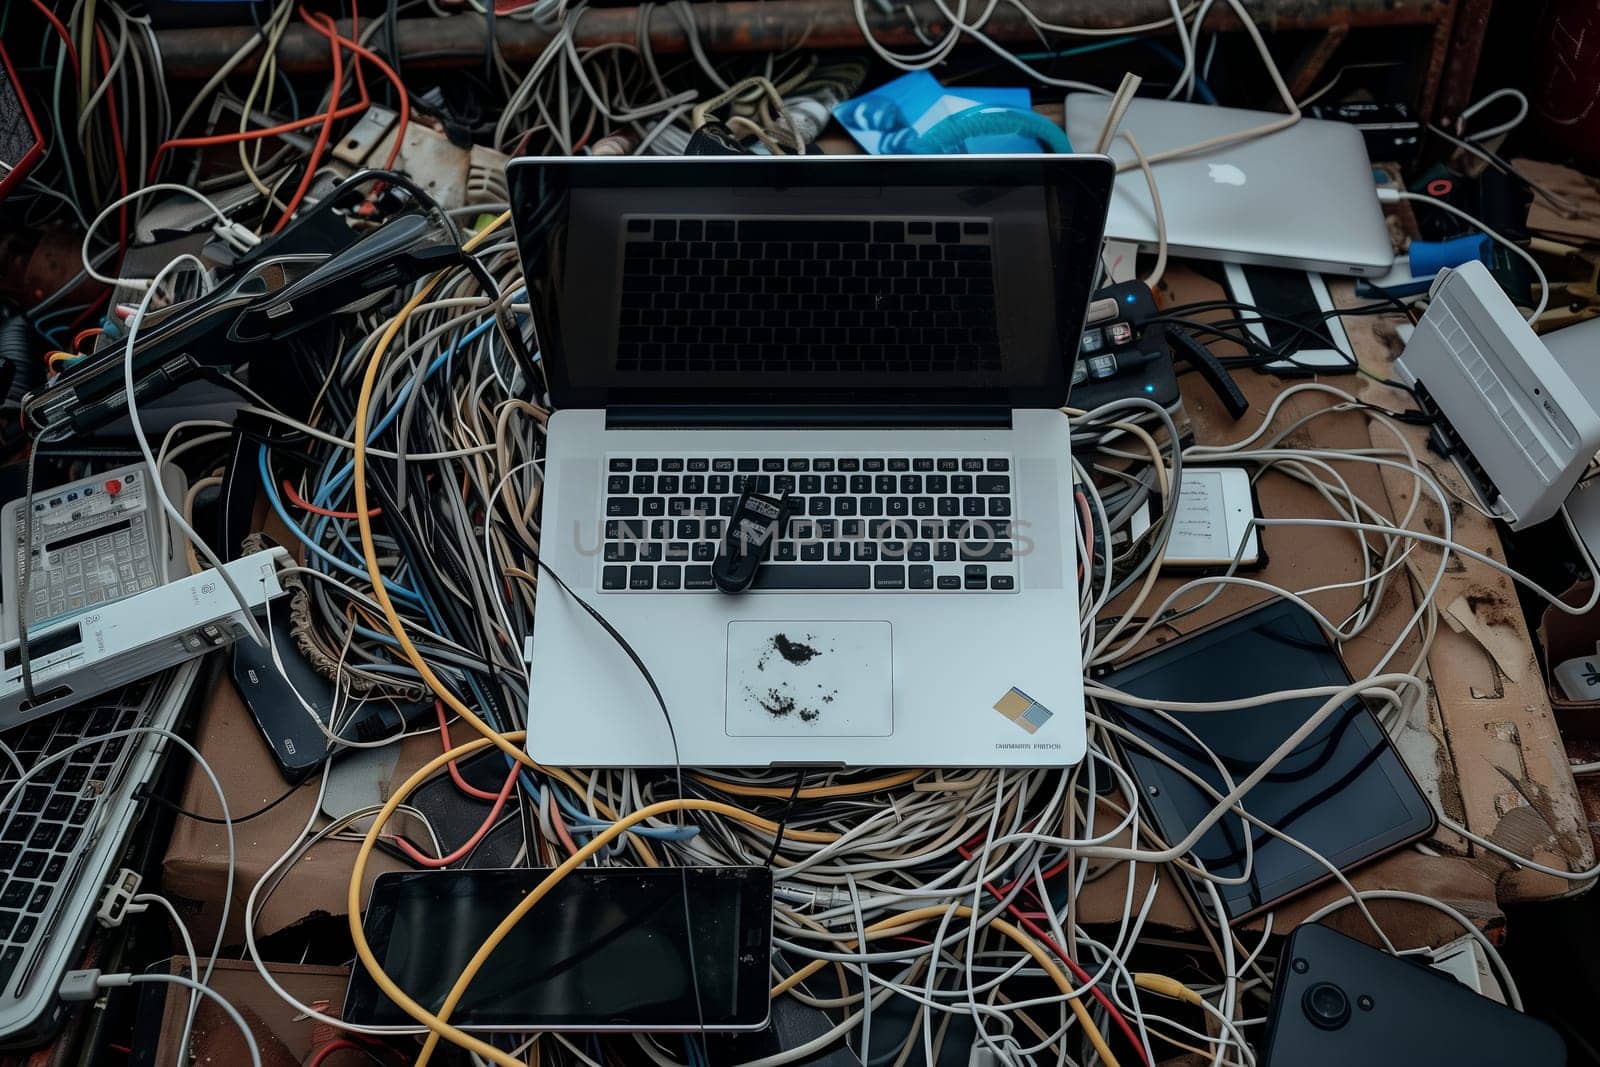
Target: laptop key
x=698, y=578
x=641, y=578
x=976, y=576
x=8, y=965
x=669, y=577
x=815, y=576
x=614, y=577
x=994, y=483
x=888, y=576
x=623, y=507
x=1002, y=581
x=921, y=577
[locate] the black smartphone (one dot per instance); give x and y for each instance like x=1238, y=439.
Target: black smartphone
x=610, y=948
x=1337, y=1001
x=1344, y=791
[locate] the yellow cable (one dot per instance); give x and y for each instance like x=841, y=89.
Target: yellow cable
x=917, y=916
x=364, y=521
x=1168, y=987
x=437, y=1023
x=508, y=743
x=776, y=792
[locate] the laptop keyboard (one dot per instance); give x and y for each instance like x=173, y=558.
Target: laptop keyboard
x=927, y=523
x=810, y=295
x=44, y=834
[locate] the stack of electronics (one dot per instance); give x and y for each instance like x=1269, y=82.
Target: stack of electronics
x=800, y=572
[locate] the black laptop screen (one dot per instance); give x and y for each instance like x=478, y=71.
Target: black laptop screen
x=839, y=280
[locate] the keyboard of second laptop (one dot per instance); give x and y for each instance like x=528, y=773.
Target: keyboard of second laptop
x=44, y=832
x=903, y=522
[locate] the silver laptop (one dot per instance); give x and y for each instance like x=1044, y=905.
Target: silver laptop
x=62, y=839
x=1303, y=197
x=886, y=340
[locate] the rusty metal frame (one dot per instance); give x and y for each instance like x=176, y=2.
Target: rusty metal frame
x=749, y=26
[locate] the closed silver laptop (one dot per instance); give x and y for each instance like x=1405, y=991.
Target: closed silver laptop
x=1302, y=197
x=887, y=341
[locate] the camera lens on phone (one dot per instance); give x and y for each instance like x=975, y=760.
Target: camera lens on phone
x=1327, y=1006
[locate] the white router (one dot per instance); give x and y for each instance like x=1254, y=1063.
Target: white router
x=1512, y=419
x=133, y=638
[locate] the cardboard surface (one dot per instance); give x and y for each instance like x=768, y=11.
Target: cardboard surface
x=283, y=1038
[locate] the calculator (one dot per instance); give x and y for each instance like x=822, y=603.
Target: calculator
x=95, y=541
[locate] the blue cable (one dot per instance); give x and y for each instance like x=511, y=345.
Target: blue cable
x=1200, y=86
x=321, y=553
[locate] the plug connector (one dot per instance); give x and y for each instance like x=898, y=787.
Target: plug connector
x=79, y=986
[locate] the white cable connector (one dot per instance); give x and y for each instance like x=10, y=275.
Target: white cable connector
x=84, y=985
x=116, y=905
x=235, y=235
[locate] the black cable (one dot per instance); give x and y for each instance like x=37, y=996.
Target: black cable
x=143, y=793
x=783, y=821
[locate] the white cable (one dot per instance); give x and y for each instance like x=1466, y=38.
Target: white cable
x=1516, y=249
x=1497, y=130
x=112, y=981
x=158, y=187
x=47, y=762
x=194, y=966
x=247, y=615
x=1503, y=973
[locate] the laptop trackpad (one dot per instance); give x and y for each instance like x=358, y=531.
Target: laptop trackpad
x=810, y=679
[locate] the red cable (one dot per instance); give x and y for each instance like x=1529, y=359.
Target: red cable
x=304, y=505
x=332, y=34
x=471, y=843
x=252, y=135
x=336, y=1045
x=1083, y=976
x=561, y=827
x=116, y=136
x=61, y=31
x=364, y=52
x=455, y=775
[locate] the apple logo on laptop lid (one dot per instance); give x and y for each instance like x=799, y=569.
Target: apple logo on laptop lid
x=1225, y=174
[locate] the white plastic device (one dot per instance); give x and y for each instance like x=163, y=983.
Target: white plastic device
x=1517, y=426
x=133, y=638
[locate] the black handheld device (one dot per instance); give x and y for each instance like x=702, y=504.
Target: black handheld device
x=610, y=948
x=757, y=521
x=1338, y=1002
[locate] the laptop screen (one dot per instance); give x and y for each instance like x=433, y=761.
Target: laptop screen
x=822, y=280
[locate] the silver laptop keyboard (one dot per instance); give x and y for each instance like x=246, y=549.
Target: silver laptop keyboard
x=933, y=523
x=44, y=834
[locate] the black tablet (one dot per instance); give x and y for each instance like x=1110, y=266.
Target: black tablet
x=1345, y=791
x=610, y=948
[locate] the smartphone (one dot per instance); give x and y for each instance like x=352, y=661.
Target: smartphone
x=610, y=948
x=1302, y=298
x=1215, y=506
